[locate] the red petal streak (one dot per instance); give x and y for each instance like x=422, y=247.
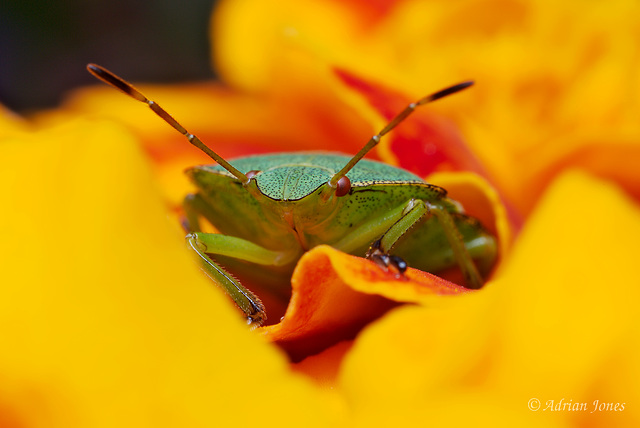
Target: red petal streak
x=425, y=142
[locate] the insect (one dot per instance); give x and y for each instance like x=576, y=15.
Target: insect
x=286, y=204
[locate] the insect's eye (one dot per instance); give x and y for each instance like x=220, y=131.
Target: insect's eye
x=252, y=173
x=343, y=186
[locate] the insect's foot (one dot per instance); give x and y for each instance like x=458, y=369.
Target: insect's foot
x=398, y=264
x=386, y=261
x=256, y=319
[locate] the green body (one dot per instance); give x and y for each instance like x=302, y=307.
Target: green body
x=286, y=204
x=289, y=215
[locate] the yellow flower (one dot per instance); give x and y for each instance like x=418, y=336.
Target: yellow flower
x=556, y=83
x=558, y=323
x=107, y=321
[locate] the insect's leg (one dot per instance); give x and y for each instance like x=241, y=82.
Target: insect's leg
x=230, y=246
x=248, y=302
x=414, y=213
x=203, y=244
x=472, y=277
x=384, y=260
x=364, y=234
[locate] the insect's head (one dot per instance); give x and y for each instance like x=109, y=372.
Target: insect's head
x=339, y=184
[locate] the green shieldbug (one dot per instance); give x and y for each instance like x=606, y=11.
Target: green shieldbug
x=289, y=203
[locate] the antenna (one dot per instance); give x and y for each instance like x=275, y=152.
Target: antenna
x=111, y=79
x=392, y=124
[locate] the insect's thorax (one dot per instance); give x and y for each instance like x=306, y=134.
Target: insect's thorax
x=288, y=206
x=298, y=199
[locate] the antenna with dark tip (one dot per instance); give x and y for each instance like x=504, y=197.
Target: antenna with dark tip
x=111, y=79
x=392, y=124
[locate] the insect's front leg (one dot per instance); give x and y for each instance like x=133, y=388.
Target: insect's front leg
x=246, y=300
x=204, y=244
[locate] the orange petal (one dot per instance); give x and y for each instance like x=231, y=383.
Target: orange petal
x=325, y=279
x=335, y=294
x=368, y=12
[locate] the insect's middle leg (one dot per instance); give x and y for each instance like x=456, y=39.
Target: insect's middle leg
x=412, y=213
x=385, y=227
x=415, y=212
x=386, y=231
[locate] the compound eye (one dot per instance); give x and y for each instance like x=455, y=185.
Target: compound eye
x=252, y=173
x=343, y=186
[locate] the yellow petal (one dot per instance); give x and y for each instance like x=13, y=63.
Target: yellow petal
x=107, y=320
x=570, y=293
x=251, y=38
x=559, y=321
x=546, y=72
